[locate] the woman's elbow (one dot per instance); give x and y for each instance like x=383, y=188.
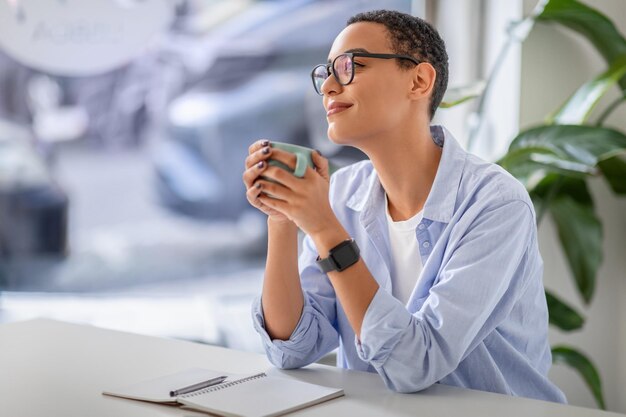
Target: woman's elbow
x=408, y=388
x=406, y=384
x=285, y=362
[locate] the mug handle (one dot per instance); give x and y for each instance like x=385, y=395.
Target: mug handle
x=301, y=164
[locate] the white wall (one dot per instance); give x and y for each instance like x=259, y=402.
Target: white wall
x=555, y=61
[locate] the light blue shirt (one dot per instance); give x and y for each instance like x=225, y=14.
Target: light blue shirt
x=478, y=317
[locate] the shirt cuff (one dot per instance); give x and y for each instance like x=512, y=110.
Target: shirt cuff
x=384, y=323
x=299, y=343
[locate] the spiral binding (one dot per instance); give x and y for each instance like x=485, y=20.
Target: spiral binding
x=223, y=385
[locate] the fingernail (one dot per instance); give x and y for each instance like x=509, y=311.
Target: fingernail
x=260, y=164
x=266, y=150
x=258, y=185
x=265, y=142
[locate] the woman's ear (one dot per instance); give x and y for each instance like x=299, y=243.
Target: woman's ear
x=423, y=81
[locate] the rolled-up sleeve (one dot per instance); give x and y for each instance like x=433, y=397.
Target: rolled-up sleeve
x=480, y=279
x=315, y=334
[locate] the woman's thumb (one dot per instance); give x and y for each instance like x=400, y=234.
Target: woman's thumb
x=321, y=163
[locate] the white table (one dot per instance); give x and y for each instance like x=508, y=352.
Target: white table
x=50, y=368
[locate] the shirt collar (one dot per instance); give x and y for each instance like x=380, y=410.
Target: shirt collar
x=440, y=203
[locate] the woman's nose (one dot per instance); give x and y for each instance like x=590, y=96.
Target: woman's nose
x=331, y=85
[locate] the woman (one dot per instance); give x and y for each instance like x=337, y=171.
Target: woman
x=421, y=263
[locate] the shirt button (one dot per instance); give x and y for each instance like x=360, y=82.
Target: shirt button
x=426, y=244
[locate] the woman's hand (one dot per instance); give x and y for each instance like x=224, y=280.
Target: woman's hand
x=257, y=161
x=301, y=200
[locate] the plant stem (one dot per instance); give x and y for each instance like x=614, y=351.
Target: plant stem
x=610, y=109
x=482, y=100
x=517, y=32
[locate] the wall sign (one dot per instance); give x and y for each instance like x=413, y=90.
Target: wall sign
x=80, y=37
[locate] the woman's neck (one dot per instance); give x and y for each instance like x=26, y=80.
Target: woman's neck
x=406, y=164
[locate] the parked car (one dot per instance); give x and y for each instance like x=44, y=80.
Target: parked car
x=257, y=86
x=33, y=208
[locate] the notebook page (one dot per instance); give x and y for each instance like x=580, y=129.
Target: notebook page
x=158, y=389
x=260, y=396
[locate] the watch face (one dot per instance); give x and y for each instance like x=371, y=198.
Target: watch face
x=345, y=255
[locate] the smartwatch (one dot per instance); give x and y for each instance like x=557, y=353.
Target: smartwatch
x=340, y=257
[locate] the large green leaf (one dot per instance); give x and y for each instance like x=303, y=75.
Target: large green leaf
x=585, y=144
x=580, y=234
x=555, y=185
x=566, y=149
x=579, y=230
x=595, y=26
x=572, y=187
x=578, y=107
x=562, y=315
x=614, y=170
x=532, y=167
x=583, y=365
x=542, y=192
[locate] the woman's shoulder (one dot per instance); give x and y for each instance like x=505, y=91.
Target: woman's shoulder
x=491, y=184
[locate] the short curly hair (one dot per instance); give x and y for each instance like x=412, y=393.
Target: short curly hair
x=413, y=36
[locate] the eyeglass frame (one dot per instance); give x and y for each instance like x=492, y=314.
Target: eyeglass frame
x=352, y=55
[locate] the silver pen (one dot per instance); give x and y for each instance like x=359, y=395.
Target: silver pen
x=198, y=386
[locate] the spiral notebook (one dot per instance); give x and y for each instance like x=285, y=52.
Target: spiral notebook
x=255, y=395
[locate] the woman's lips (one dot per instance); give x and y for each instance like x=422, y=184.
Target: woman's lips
x=335, y=108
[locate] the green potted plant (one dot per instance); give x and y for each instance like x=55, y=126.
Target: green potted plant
x=556, y=158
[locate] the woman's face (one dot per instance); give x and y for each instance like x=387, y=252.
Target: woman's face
x=377, y=100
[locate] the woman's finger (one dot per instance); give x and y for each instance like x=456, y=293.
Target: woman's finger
x=275, y=204
x=272, y=189
x=257, y=156
x=258, y=145
x=321, y=164
x=287, y=158
x=282, y=176
x=252, y=194
x=251, y=174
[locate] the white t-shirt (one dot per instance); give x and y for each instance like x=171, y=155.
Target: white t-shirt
x=407, y=263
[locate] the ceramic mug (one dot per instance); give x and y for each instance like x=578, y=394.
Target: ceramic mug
x=303, y=155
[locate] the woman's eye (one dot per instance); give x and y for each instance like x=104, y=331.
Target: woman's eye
x=358, y=64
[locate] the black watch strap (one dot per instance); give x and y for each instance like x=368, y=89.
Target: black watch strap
x=340, y=257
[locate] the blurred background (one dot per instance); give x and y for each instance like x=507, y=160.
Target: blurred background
x=123, y=130
x=124, y=125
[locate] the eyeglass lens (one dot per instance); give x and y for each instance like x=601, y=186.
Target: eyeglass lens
x=320, y=74
x=342, y=69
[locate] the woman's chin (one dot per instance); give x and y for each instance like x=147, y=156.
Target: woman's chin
x=339, y=137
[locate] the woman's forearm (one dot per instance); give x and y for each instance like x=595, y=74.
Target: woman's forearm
x=282, y=292
x=355, y=287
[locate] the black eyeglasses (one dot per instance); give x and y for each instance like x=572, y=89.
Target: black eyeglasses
x=342, y=68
